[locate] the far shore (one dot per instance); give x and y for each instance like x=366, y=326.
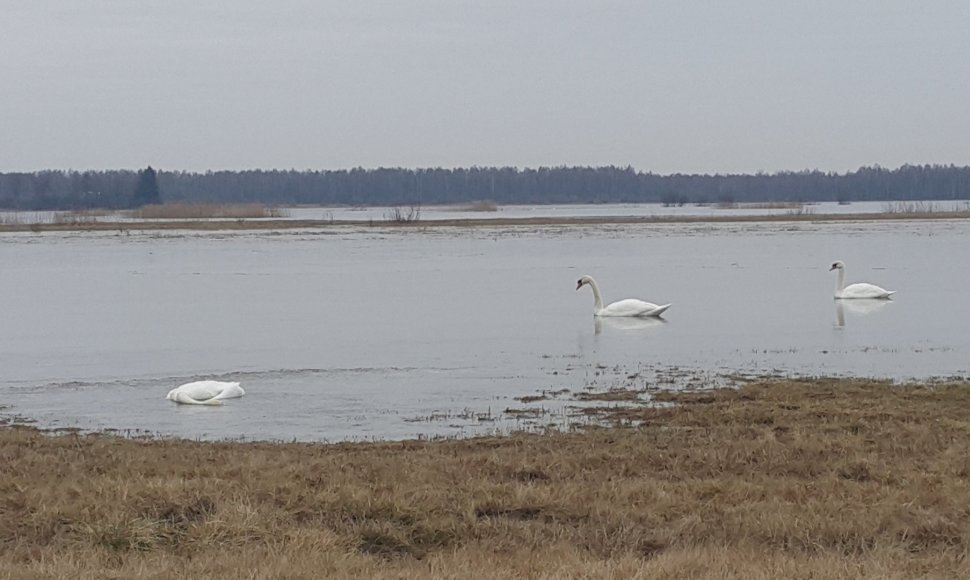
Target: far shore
x=290, y=224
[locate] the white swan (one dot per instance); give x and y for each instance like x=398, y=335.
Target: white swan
x=628, y=307
x=859, y=290
x=205, y=392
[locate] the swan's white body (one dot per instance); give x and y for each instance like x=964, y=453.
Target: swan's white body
x=858, y=290
x=628, y=307
x=205, y=392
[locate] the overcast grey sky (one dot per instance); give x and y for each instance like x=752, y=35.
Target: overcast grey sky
x=672, y=86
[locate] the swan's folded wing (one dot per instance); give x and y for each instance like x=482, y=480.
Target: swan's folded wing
x=230, y=391
x=183, y=398
x=201, y=390
x=629, y=307
x=865, y=290
x=657, y=311
x=205, y=390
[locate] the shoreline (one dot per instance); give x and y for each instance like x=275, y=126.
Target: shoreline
x=856, y=477
x=287, y=224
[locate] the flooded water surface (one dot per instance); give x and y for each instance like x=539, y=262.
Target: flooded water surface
x=390, y=333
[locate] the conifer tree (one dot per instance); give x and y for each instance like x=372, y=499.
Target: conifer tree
x=146, y=192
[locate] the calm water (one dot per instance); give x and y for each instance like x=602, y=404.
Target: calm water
x=355, y=334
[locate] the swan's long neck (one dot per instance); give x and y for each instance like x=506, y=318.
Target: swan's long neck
x=597, y=297
x=839, y=281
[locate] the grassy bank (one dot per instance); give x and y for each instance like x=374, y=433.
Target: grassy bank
x=782, y=479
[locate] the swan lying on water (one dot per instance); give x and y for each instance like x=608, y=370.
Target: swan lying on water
x=628, y=307
x=858, y=290
x=205, y=392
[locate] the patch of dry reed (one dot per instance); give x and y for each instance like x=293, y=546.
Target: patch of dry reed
x=774, y=205
x=924, y=207
x=80, y=217
x=481, y=205
x=823, y=478
x=207, y=211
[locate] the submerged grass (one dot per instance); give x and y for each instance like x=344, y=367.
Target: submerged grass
x=777, y=479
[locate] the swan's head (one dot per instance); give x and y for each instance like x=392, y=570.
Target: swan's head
x=837, y=265
x=583, y=281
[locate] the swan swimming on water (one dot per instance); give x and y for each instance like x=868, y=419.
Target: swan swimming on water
x=627, y=307
x=858, y=290
x=205, y=392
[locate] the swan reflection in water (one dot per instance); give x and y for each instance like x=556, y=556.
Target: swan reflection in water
x=858, y=307
x=626, y=323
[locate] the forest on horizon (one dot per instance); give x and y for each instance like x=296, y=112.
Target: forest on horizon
x=116, y=189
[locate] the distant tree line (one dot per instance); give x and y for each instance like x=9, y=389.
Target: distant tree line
x=113, y=189
x=63, y=190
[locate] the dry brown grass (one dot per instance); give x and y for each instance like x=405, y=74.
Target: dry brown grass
x=786, y=479
x=207, y=211
x=9, y=218
x=760, y=205
x=924, y=207
x=79, y=217
x=483, y=205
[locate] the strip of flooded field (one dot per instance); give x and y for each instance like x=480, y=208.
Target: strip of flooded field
x=361, y=333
